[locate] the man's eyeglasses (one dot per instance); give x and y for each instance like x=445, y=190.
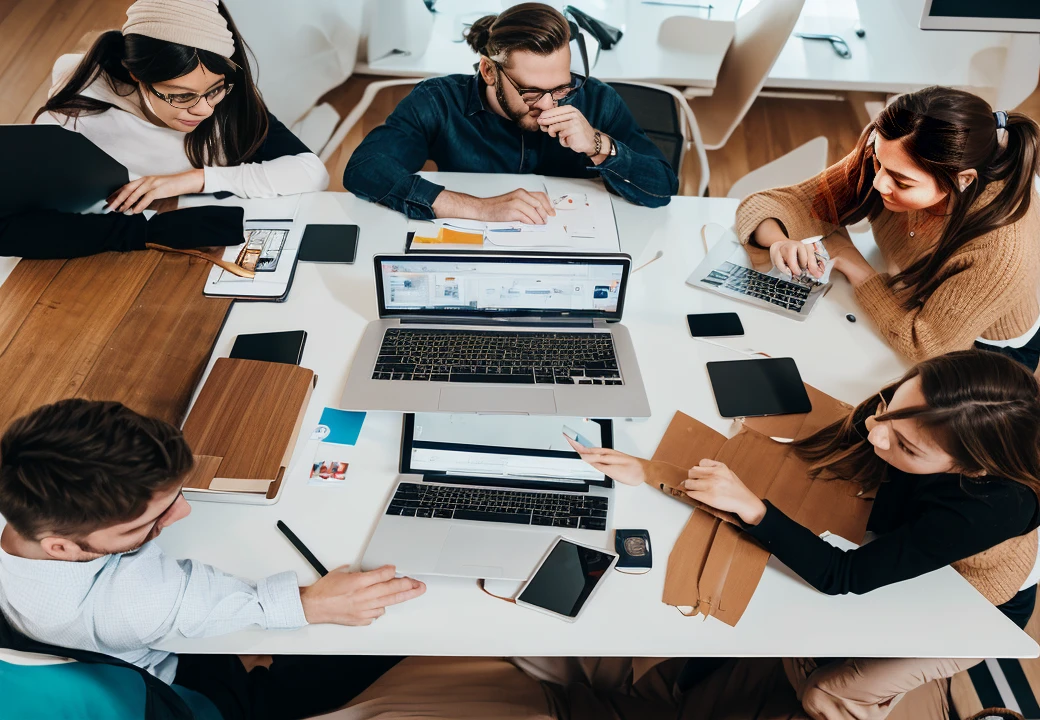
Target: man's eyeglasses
x=184, y=101
x=532, y=96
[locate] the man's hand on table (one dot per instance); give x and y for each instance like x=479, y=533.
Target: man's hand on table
x=519, y=205
x=356, y=598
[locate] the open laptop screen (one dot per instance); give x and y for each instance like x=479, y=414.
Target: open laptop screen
x=501, y=446
x=502, y=285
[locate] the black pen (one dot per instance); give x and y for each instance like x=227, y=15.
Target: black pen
x=298, y=544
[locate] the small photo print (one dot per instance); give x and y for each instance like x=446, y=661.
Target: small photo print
x=329, y=470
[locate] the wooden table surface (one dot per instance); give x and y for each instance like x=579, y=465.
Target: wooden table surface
x=133, y=327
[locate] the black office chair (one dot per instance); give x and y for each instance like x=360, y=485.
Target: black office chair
x=655, y=112
x=669, y=126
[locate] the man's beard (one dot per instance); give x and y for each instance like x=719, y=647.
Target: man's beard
x=523, y=120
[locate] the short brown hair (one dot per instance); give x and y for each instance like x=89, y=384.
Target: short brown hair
x=533, y=27
x=77, y=466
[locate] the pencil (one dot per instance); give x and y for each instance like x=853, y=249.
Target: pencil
x=298, y=544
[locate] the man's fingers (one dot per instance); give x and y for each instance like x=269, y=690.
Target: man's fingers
x=525, y=212
x=544, y=201
x=556, y=114
x=377, y=576
x=401, y=593
x=534, y=202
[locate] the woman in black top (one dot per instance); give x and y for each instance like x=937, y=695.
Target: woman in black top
x=953, y=450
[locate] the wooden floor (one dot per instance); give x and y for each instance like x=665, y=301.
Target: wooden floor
x=33, y=33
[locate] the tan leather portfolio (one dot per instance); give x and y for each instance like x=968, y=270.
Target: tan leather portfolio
x=243, y=427
x=715, y=567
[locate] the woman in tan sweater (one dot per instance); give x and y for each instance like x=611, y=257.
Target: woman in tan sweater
x=947, y=186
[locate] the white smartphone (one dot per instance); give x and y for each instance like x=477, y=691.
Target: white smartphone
x=566, y=579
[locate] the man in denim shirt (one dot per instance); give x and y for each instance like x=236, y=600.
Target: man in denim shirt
x=523, y=112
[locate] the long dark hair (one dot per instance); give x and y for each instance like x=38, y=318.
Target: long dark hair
x=231, y=135
x=946, y=132
x=981, y=407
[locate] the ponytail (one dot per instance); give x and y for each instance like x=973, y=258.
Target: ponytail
x=105, y=58
x=479, y=34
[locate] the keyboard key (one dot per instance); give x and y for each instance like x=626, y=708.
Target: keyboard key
x=591, y=523
x=485, y=378
x=501, y=517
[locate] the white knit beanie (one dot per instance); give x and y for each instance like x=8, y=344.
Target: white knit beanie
x=195, y=23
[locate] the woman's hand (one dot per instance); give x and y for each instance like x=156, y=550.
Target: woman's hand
x=793, y=257
x=138, y=194
x=714, y=484
x=617, y=465
x=848, y=260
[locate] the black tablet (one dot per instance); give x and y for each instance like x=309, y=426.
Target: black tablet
x=329, y=244
x=756, y=387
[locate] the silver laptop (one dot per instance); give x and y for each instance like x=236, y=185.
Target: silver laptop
x=489, y=494
x=521, y=333
x=726, y=270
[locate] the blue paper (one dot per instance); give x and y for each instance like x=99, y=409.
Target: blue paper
x=339, y=426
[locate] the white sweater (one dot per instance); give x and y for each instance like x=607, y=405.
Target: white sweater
x=125, y=133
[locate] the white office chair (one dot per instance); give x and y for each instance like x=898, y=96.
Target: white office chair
x=759, y=37
x=800, y=164
x=302, y=51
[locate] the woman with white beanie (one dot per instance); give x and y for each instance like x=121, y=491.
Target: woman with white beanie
x=171, y=97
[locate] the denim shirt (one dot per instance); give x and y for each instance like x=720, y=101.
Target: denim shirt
x=447, y=120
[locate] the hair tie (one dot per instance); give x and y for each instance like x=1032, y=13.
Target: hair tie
x=1002, y=118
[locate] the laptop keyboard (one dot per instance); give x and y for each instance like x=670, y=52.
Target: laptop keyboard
x=492, y=356
x=745, y=281
x=586, y=512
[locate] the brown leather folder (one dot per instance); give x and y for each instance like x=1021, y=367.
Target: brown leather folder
x=244, y=425
x=715, y=567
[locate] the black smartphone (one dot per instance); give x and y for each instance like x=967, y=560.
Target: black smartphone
x=279, y=347
x=715, y=324
x=329, y=244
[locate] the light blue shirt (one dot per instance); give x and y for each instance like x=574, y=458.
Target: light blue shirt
x=125, y=605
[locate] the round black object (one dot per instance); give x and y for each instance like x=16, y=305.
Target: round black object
x=850, y=317
x=860, y=32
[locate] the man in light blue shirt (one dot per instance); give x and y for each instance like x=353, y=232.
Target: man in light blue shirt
x=85, y=487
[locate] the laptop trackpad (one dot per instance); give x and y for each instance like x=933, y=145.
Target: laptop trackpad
x=492, y=552
x=514, y=400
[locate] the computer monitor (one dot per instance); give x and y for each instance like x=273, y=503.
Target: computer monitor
x=982, y=15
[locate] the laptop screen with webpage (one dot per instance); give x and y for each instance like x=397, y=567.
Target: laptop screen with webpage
x=500, y=285
x=501, y=446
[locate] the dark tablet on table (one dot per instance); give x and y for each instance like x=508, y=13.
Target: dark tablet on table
x=756, y=387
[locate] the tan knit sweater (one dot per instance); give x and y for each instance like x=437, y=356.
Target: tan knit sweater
x=990, y=293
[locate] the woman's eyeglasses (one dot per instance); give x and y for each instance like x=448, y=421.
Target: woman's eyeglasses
x=532, y=96
x=184, y=101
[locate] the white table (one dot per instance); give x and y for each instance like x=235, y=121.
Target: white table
x=696, y=63
x=894, y=56
x=786, y=617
